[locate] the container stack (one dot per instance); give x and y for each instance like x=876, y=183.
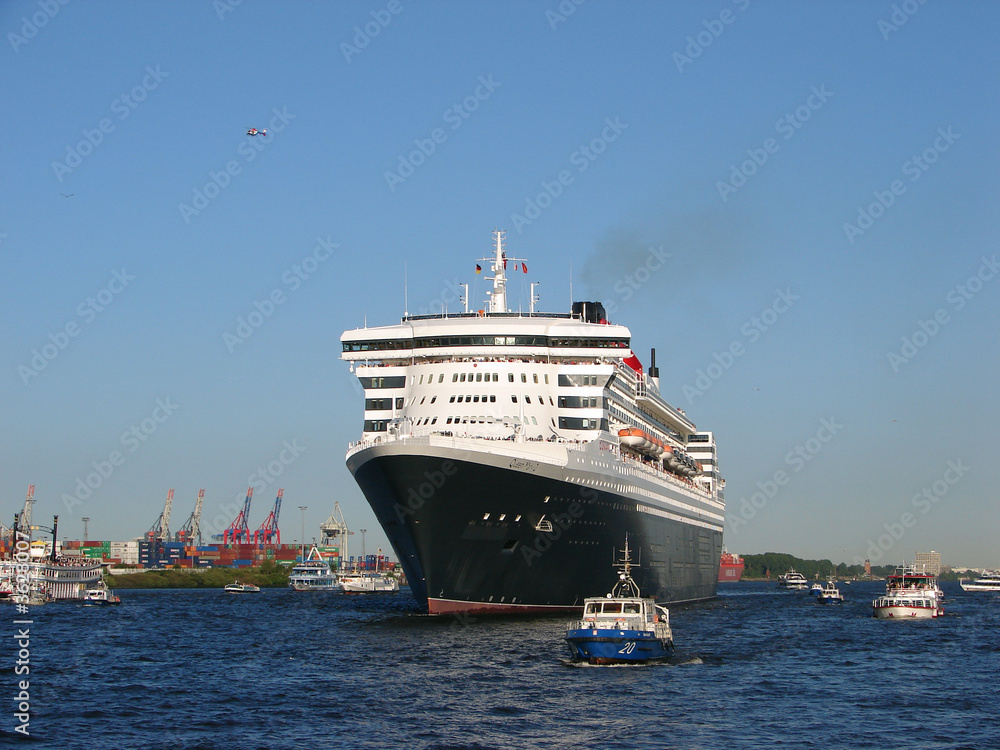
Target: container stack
x=154, y=553
x=125, y=553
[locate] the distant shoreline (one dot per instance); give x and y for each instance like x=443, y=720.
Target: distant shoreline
x=209, y=578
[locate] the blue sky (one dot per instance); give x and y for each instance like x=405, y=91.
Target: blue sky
x=794, y=203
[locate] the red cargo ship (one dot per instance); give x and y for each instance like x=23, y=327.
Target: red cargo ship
x=731, y=567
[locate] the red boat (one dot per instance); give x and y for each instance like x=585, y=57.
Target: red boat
x=731, y=567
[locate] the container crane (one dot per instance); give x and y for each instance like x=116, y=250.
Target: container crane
x=238, y=531
x=191, y=529
x=268, y=532
x=24, y=520
x=334, y=531
x=160, y=531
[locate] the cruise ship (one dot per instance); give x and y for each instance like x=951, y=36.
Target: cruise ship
x=507, y=454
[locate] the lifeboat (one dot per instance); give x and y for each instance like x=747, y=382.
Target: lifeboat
x=681, y=463
x=641, y=441
x=633, y=438
x=672, y=459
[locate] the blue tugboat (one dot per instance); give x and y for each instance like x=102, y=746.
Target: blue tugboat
x=623, y=627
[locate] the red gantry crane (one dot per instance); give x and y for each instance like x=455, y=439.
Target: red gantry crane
x=238, y=531
x=268, y=532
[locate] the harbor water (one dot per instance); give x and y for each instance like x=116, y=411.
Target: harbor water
x=756, y=667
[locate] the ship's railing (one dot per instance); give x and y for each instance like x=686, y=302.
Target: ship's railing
x=640, y=385
x=637, y=381
x=633, y=466
x=359, y=445
x=437, y=358
x=484, y=314
x=637, y=467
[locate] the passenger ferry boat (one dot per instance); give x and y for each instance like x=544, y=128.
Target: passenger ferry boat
x=623, y=627
x=793, y=579
x=60, y=579
x=909, y=595
x=506, y=453
x=241, y=588
x=989, y=580
x=368, y=583
x=313, y=574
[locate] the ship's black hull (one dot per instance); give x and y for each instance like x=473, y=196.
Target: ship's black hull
x=468, y=536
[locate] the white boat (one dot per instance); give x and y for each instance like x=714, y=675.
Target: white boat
x=793, y=580
x=829, y=594
x=241, y=588
x=100, y=595
x=313, y=574
x=368, y=583
x=909, y=595
x=816, y=589
x=63, y=579
x=989, y=580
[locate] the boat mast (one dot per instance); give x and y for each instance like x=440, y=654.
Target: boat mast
x=625, y=586
x=498, y=297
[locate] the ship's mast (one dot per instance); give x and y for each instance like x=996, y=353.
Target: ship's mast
x=498, y=297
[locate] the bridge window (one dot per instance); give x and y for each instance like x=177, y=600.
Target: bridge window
x=386, y=381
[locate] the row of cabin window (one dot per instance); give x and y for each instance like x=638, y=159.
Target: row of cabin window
x=582, y=423
x=494, y=377
x=489, y=420
x=565, y=402
x=565, y=423
x=399, y=381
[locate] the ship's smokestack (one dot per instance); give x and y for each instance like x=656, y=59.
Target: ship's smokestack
x=55, y=525
x=654, y=371
x=590, y=312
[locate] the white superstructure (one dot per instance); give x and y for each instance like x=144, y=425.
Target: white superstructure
x=989, y=580
x=522, y=377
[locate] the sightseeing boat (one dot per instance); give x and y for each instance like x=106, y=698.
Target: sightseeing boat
x=988, y=580
x=368, y=583
x=909, y=595
x=241, y=588
x=793, y=580
x=313, y=574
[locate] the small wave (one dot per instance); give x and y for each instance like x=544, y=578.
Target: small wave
x=690, y=660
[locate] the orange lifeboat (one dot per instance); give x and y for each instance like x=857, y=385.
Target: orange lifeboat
x=641, y=441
